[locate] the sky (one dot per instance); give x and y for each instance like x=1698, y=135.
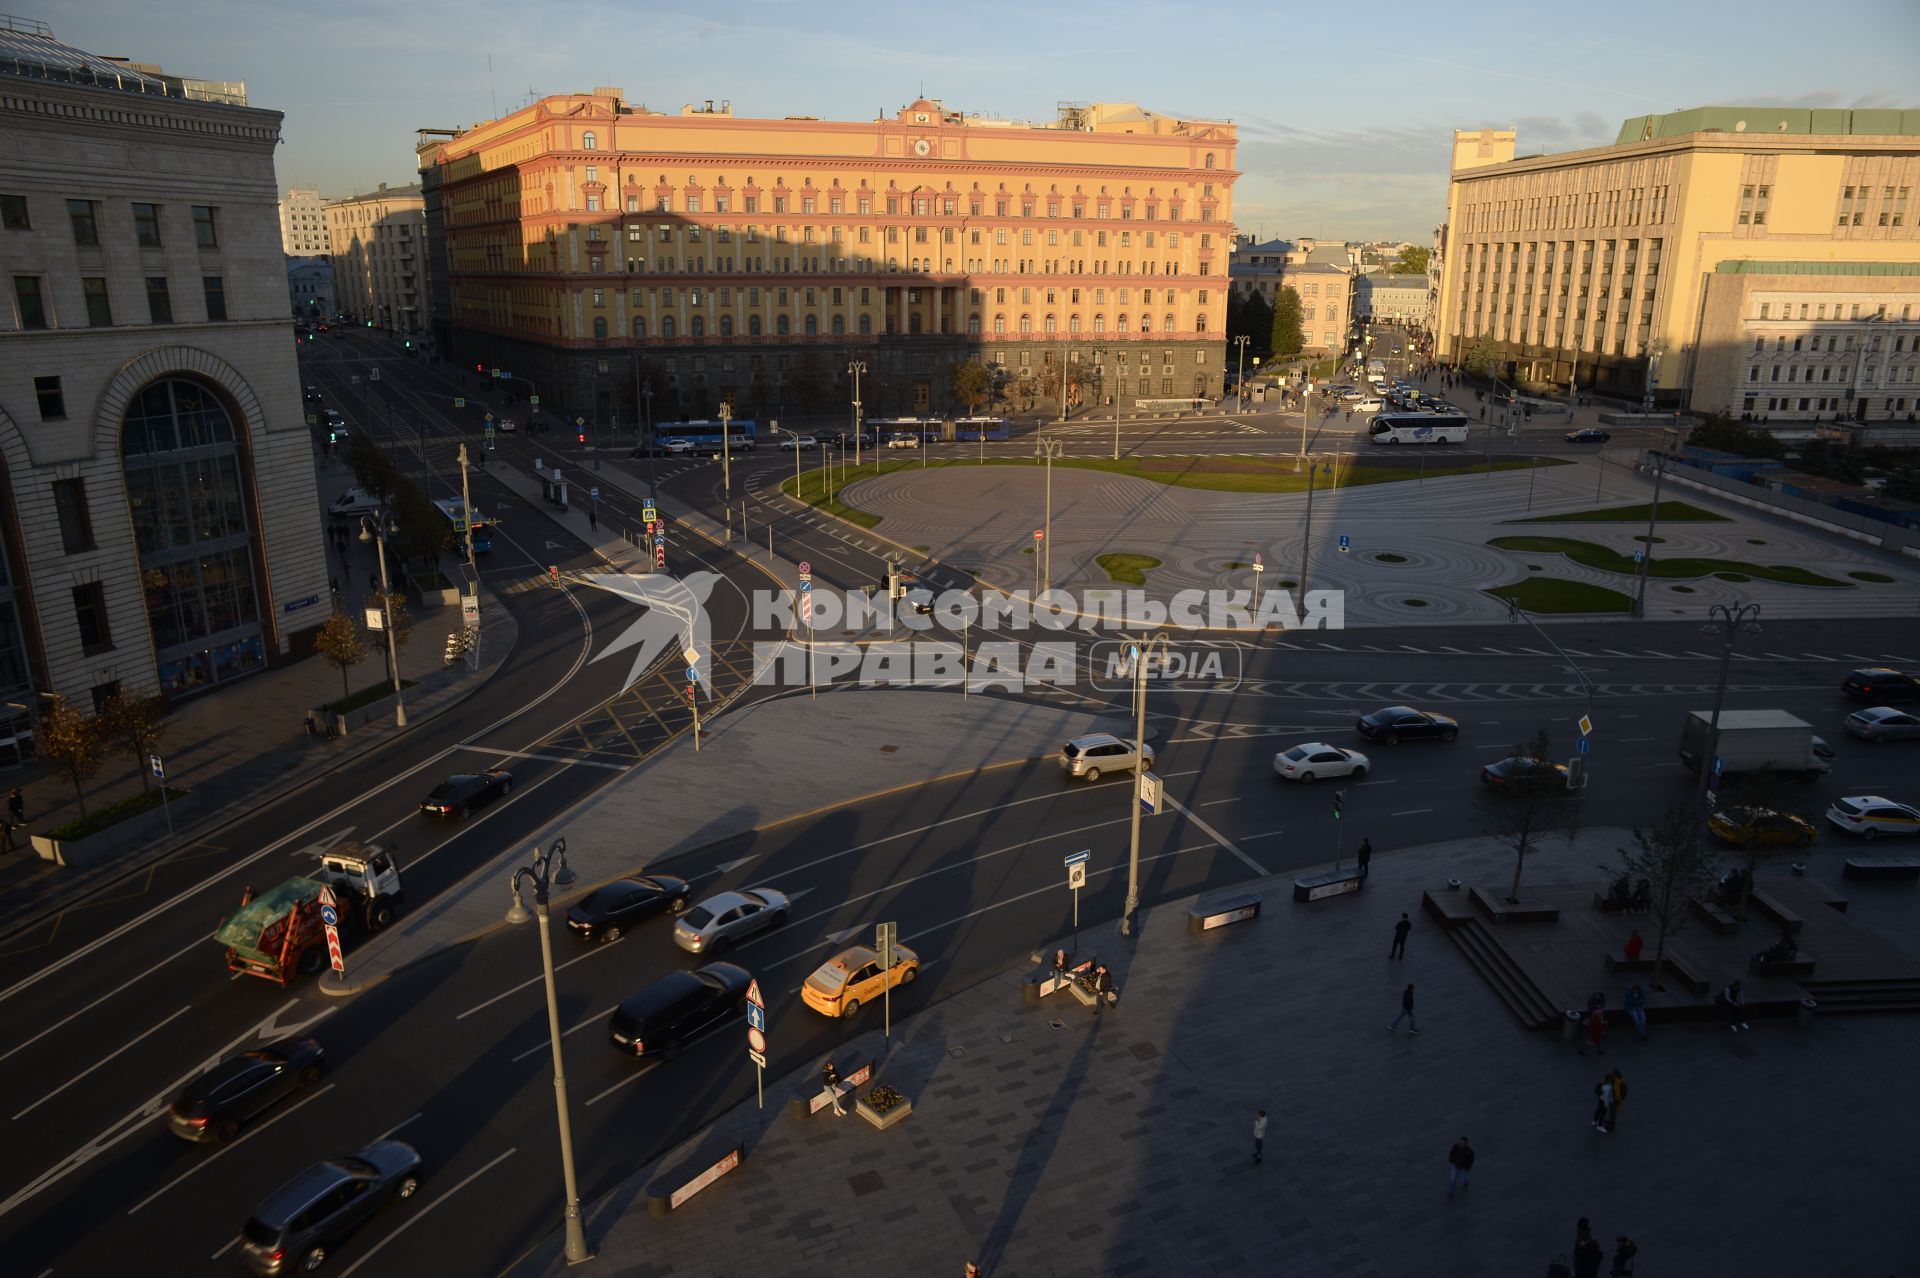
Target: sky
x=1345, y=117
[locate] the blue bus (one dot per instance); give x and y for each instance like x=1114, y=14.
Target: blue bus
x=704, y=436
x=974, y=429
x=481, y=528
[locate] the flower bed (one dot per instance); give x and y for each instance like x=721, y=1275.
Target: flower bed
x=883, y=1107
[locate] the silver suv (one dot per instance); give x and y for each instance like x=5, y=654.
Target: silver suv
x=1089, y=756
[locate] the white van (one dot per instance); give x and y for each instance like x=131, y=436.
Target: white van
x=352, y=502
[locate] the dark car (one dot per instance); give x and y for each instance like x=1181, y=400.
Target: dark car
x=662, y=1018
x=1519, y=772
x=608, y=911
x=212, y=1107
x=301, y=1222
x=458, y=795
x=1881, y=686
x=313, y=394
x=1403, y=723
x=1587, y=435
x=653, y=450
x=830, y=437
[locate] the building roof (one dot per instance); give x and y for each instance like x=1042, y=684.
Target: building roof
x=1317, y=268
x=1770, y=120
x=385, y=192
x=1399, y=281
x=1751, y=266
x=28, y=50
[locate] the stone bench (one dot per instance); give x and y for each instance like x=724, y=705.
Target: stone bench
x=1714, y=917
x=1318, y=887
x=711, y=1159
x=855, y=1071
x=1217, y=914
x=1773, y=909
x=1801, y=964
x=1675, y=966
x=1882, y=867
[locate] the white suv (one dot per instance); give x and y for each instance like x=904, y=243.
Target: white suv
x=1089, y=756
x=804, y=442
x=1870, y=816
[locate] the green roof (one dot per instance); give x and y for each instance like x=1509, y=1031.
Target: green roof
x=1749, y=266
x=1770, y=120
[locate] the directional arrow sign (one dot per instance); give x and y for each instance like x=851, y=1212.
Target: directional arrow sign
x=554, y=545
x=757, y=1019
x=728, y=867
x=1076, y=858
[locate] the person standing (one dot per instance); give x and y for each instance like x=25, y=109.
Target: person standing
x=1460, y=1160
x=1406, y=1013
x=593, y=519
x=1617, y=1092
x=6, y=834
x=1365, y=855
x=1596, y=1033
x=1603, y=1105
x=16, y=806
x=1587, y=1254
x=1637, y=1010
x=830, y=1083
x=1624, y=1251
x=1635, y=943
x=1400, y=930
x=1259, y=1134
x=1102, y=989
x=1736, y=1008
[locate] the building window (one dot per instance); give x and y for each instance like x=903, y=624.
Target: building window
x=866, y=324
x=53, y=402
x=86, y=226
x=204, y=232
x=90, y=612
x=697, y=326
x=146, y=225
x=588, y=142
x=158, y=303
x=99, y=307
x=26, y=296
x=70, y=503
x=216, y=290
x=666, y=326
x=640, y=326
x=13, y=213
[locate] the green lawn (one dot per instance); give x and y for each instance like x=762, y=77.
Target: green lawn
x=1592, y=555
x=1671, y=512
x=101, y=818
x=1547, y=594
x=1127, y=569
x=366, y=696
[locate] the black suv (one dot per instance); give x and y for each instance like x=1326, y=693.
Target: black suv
x=458, y=795
x=299, y=1225
x=660, y=1019
x=1881, y=686
x=212, y=1106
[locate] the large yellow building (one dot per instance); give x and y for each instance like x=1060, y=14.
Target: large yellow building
x=375, y=241
x=629, y=260
x=1753, y=260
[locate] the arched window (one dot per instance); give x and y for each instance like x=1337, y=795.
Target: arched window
x=588, y=143
x=726, y=326
x=600, y=328
x=1166, y=325
x=1073, y=323
x=1209, y=160
x=813, y=326
x=1099, y=323
x=866, y=323
x=188, y=504
x=753, y=326
x=640, y=327
x=1120, y=324
x=839, y=325
x=781, y=325
x=1199, y=323
x=1051, y=324
x=999, y=323
x=697, y=326
x=666, y=326
x=973, y=326
x=1026, y=323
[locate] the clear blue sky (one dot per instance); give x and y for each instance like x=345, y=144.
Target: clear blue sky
x=1344, y=115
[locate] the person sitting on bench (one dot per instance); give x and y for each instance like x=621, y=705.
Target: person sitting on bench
x=1635, y=944
x=1618, y=895
x=1730, y=884
x=1781, y=951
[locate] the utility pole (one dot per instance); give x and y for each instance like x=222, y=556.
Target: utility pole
x=1063, y=383
x=856, y=368
x=1049, y=449
x=1727, y=621
x=1240, y=380
x=726, y=449
x=473, y=569
x=1646, y=552
x=1142, y=657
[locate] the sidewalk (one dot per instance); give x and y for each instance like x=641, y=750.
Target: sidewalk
x=237, y=741
x=1046, y=1141
x=772, y=762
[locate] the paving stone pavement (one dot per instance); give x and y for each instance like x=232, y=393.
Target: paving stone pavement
x=1122, y=1144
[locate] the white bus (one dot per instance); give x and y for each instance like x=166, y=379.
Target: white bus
x=1418, y=428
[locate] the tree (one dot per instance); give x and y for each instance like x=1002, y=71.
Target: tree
x=1669, y=855
x=1257, y=323
x=424, y=533
x=134, y=726
x=972, y=384
x=1756, y=790
x=1729, y=436
x=1523, y=813
x=1903, y=484
x=1412, y=261
x=1479, y=357
x=373, y=471
x=72, y=741
x=341, y=642
x=1286, y=337
x=399, y=620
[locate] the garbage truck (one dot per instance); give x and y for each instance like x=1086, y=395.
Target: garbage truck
x=1756, y=741
x=279, y=934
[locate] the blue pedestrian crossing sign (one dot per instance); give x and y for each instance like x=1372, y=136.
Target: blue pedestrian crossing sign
x=1344, y=543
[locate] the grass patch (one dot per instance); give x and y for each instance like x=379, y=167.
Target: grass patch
x=1878, y=578
x=1388, y=557
x=1232, y=564
x=1127, y=569
x=113, y=814
x=1414, y=603
x=1591, y=555
x=1678, y=512
x=1543, y=595
x=366, y=696
x=920, y=550
x=815, y=487
x=1733, y=576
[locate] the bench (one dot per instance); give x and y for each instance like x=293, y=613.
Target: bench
x=1234, y=909
x=1714, y=917
x=1675, y=967
x=1882, y=867
x=1801, y=964
x=1037, y=985
x=855, y=1071
x=711, y=1159
x=1318, y=887
x=1773, y=909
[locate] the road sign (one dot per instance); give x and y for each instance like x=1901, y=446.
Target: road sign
x=756, y=1017
x=338, y=959
x=1583, y=745
x=374, y=621
x=756, y=1041
x=1344, y=543
x=648, y=514
x=459, y=401
x=1150, y=794
x=885, y=936
x=489, y=432
x=806, y=567
x=806, y=587
x=757, y=1058
x=1077, y=858
x=155, y=766
x=329, y=916
x=1258, y=564
x=693, y=675
x=1637, y=554
x=753, y=996
x=1586, y=725
x=593, y=493
x=470, y=611
x=531, y=399
x=692, y=656
x=1039, y=534
x=1076, y=876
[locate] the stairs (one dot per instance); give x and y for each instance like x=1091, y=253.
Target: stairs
x=1522, y=997
x=1852, y=997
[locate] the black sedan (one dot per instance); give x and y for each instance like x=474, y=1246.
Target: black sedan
x=459, y=795
x=1403, y=723
x=606, y=912
x=1519, y=772
x=212, y=1106
x=1587, y=435
x=1881, y=686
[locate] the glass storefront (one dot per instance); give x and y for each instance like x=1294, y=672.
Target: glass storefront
x=188, y=506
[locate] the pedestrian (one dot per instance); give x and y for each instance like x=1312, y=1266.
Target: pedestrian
x=1624, y=1251
x=1406, y=1011
x=830, y=1083
x=1400, y=930
x=1059, y=967
x=1102, y=989
x=1637, y=1010
x=6, y=834
x=16, y=806
x=593, y=520
x=1259, y=1134
x=1635, y=943
x=1617, y=1086
x=1587, y=1254
x=1603, y=1104
x=1460, y=1159
x=333, y=584
x=1735, y=1007
x=1596, y=1033
x=1366, y=855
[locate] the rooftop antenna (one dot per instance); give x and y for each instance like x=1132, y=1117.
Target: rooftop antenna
x=490, y=93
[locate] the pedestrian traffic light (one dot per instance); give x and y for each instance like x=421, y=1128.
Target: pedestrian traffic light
x=409, y=343
x=1339, y=796
x=332, y=438
x=583, y=437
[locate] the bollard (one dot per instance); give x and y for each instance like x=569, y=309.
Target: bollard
x=1803, y=1015
x=1569, y=1027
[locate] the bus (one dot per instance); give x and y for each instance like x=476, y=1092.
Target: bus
x=481, y=529
x=925, y=429
x=974, y=429
x=704, y=436
x=1418, y=428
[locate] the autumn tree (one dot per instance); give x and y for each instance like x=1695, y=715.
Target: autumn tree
x=1525, y=811
x=399, y=622
x=1677, y=867
x=72, y=741
x=134, y=726
x=972, y=384
x=341, y=642
x=1288, y=338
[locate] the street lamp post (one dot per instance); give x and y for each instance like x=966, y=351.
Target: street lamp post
x=1646, y=552
x=726, y=451
x=549, y=868
x=1727, y=621
x=1142, y=658
x=856, y=368
x=1049, y=449
x=653, y=445
x=375, y=529
x=1240, y=379
x=1314, y=470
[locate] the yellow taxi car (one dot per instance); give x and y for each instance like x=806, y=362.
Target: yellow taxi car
x=1759, y=827
x=852, y=978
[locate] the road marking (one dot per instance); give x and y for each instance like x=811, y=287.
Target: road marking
x=1410, y=812
x=1217, y=802
x=1265, y=835
x=548, y=758
x=544, y=1043
x=1394, y=781
x=315, y=1095
x=97, y=1064
x=634, y=1077
x=419, y=1215
x=598, y=949
x=1215, y=835
x=97, y=1002
x=231, y=1244
x=319, y=846
x=397, y=1126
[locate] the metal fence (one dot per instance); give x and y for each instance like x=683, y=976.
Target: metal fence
x=1863, y=528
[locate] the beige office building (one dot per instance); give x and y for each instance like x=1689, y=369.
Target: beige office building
x=376, y=242
x=303, y=223
x=1744, y=260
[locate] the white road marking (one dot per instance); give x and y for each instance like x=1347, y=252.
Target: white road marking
x=98, y=1001
x=308, y=1099
x=634, y=1077
x=1217, y=802
x=231, y=1244
x=1393, y=781
x=1269, y=834
x=543, y=1044
x=1215, y=835
x=479, y=1007
x=547, y=758
x=1411, y=812
x=321, y=844
x=97, y=1064
x=419, y=1215
x=396, y=1127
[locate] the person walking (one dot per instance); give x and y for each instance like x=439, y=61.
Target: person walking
x=1617, y=1090
x=830, y=1083
x=16, y=806
x=1460, y=1161
x=1400, y=930
x=1259, y=1134
x=1406, y=1013
x=1603, y=1104
x=1365, y=855
x=1637, y=1010
x=1102, y=989
x=1587, y=1253
x=593, y=519
x=6, y=834
x=1596, y=1033
x=1624, y=1251
x=1735, y=1007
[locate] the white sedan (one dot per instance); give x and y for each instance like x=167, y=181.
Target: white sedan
x=1316, y=760
x=899, y=440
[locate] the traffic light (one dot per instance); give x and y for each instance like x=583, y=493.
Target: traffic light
x=409, y=343
x=583, y=437
x=1339, y=796
x=480, y=368
x=369, y=323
